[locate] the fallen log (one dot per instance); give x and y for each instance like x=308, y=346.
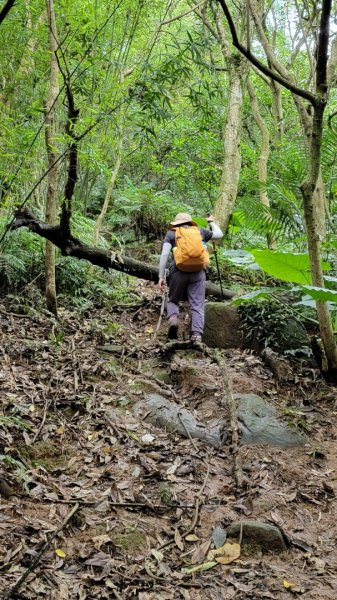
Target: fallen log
x=72, y=246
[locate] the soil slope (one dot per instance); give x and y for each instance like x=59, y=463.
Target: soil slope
x=147, y=502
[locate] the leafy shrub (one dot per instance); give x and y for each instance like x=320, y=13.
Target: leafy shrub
x=139, y=212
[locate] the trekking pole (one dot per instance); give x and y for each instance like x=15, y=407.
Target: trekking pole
x=162, y=310
x=217, y=265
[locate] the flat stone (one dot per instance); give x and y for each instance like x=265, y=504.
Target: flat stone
x=172, y=417
x=260, y=423
x=264, y=535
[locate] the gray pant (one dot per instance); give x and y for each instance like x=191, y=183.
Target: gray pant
x=191, y=287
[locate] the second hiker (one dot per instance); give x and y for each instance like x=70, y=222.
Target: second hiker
x=187, y=271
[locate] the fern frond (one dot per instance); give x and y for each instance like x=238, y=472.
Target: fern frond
x=275, y=221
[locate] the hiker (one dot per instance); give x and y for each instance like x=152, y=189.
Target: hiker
x=187, y=271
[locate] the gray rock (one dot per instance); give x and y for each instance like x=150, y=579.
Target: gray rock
x=289, y=335
x=222, y=327
x=219, y=536
x=174, y=418
x=260, y=423
x=265, y=536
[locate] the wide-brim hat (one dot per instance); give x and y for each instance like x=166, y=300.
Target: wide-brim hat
x=181, y=219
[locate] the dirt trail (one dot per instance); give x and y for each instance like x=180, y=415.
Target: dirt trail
x=137, y=485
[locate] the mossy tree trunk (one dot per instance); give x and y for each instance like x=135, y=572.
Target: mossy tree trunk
x=50, y=133
x=313, y=127
x=263, y=158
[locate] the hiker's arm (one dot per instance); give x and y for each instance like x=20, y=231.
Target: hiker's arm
x=216, y=231
x=165, y=253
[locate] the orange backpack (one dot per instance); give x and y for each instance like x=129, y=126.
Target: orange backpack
x=189, y=253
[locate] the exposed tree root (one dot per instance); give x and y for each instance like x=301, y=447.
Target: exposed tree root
x=228, y=398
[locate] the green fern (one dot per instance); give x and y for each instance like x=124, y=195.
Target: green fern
x=275, y=222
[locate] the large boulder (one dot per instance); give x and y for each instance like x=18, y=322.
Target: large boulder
x=223, y=327
x=260, y=423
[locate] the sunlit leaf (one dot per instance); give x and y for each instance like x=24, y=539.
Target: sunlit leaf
x=288, y=585
x=287, y=266
x=320, y=294
x=225, y=554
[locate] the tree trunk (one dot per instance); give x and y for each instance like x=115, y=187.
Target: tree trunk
x=277, y=111
x=232, y=152
x=308, y=189
x=264, y=155
x=111, y=186
x=313, y=129
x=50, y=131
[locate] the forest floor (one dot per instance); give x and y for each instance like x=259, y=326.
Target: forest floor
x=133, y=486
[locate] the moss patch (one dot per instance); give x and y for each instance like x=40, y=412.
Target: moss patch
x=131, y=540
x=47, y=455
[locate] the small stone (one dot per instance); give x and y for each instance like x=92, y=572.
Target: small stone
x=263, y=535
x=148, y=438
x=219, y=536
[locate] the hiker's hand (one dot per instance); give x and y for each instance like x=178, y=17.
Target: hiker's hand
x=210, y=219
x=162, y=283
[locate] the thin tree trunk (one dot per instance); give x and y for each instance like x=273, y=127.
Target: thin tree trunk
x=277, y=111
x=306, y=120
x=308, y=189
x=323, y=79
x=264, y=155
x=109, y=191
x=237, y=71
x=50, y=131
x=232, y=151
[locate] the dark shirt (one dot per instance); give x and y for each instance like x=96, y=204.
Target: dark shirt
x=170, y=237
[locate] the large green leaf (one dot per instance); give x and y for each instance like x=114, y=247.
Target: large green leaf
x=256, y=295
x=320, y=294
x=287, y=266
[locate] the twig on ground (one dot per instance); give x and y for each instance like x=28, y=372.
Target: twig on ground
x=11, y=314
x=114, y=428
x=45, y=409
x=241, y=533
x=155, y=385
x=197, y=502
x=13, y=591
x=230, y=403
x=162, y=384
x=196, y=511
x=155, y=577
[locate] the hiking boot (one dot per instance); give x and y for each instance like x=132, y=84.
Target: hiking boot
x=173, y=328
x=196, y=338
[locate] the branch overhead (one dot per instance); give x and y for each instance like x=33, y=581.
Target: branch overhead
x=5, y=9
x=261, y=66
